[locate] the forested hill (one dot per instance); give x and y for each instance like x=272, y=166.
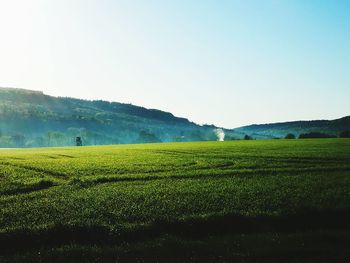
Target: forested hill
x=33, y=119
x=332, y=127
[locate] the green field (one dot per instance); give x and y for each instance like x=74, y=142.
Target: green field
x=242, y=201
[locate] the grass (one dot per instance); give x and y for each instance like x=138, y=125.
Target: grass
x=242, y=201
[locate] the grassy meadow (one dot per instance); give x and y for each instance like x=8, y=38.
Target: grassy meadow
x=242, y=201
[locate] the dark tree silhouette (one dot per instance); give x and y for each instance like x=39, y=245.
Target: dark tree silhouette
x=290, y=136
x=345, y=134
x=78, y=141
x=147, y=137
x=247, y=137
x=315, y=135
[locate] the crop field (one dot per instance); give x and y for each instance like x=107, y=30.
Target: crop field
x=241, y=201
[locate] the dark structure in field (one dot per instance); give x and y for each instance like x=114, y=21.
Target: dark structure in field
x=78, y=141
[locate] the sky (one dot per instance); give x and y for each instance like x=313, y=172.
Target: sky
x=223, y=62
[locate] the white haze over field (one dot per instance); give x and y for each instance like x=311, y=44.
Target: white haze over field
x=220, y=134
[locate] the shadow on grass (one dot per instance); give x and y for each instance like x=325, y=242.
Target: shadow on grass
x=36, y=169
x=24, y=189
x=21, y=240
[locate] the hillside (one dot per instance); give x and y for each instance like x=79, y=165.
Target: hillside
x=281, y=129
x=33, y=119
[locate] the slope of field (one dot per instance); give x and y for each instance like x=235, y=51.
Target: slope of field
x=212, y=201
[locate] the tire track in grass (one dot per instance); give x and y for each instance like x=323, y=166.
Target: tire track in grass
x=15, y=188
x=55, y=174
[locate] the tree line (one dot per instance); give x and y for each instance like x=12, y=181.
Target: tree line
x=318, y=135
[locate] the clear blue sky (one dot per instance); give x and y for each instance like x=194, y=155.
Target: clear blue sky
x=229, y=63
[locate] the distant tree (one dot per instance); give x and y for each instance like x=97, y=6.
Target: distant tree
x=247, y=137
x=78, y=141
x=345, y=134
x=316, y=135
x=147, y=137
x=290, y=136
